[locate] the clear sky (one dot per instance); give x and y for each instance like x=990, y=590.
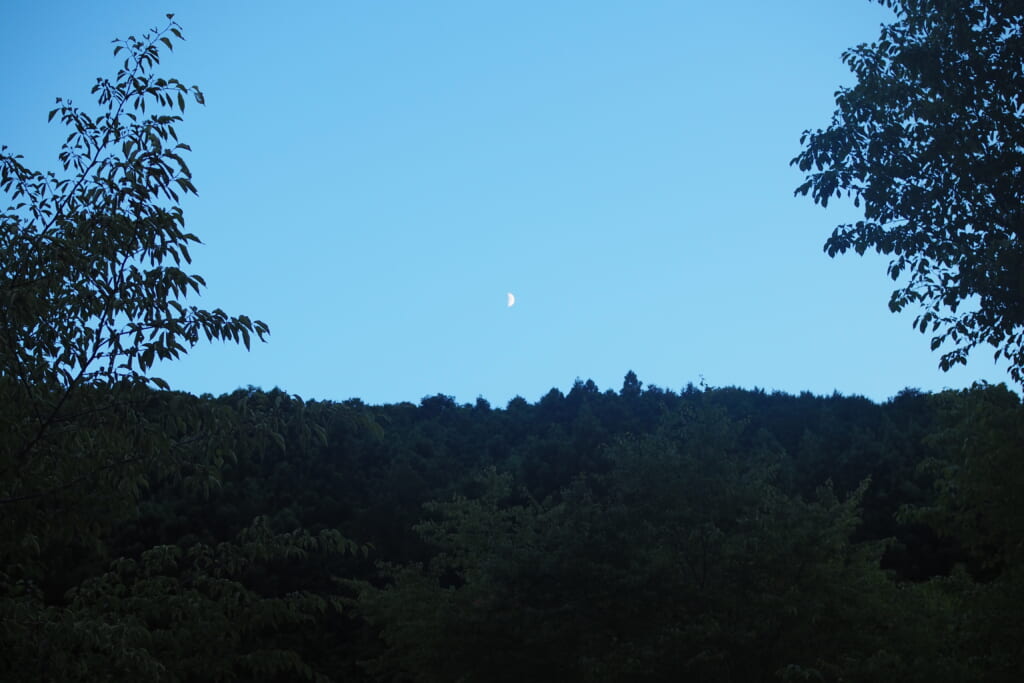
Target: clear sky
x=374, y=177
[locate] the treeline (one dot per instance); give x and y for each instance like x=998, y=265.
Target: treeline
x=637, y=535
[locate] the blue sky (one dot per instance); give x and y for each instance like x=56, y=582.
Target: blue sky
x=374, y=177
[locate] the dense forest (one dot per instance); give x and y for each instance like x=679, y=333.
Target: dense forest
x=713, y=534
x=641, y=534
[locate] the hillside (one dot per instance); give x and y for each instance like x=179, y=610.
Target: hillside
x=643, y=534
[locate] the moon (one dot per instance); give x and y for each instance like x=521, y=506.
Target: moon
x=511, y=299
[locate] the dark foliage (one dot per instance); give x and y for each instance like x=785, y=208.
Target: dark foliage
x=931, y=142
x=732, y=535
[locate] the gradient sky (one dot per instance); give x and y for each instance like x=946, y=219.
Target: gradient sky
x=375, y=176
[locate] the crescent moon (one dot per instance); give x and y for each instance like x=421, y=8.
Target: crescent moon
x=511, y=299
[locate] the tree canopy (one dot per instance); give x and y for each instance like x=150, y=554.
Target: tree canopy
x=92, y=291
x=92, y=294
x=930, y=141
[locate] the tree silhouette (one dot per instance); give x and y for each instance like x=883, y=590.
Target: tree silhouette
x=931, y=142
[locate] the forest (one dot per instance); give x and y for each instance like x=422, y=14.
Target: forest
x=712, y=534
x=636, y=533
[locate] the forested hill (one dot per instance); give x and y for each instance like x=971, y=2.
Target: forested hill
x=713, y=534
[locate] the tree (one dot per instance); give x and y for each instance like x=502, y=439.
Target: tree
x=91, y=289
x=92, y=294
x=631, y=386
x=931, y=141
